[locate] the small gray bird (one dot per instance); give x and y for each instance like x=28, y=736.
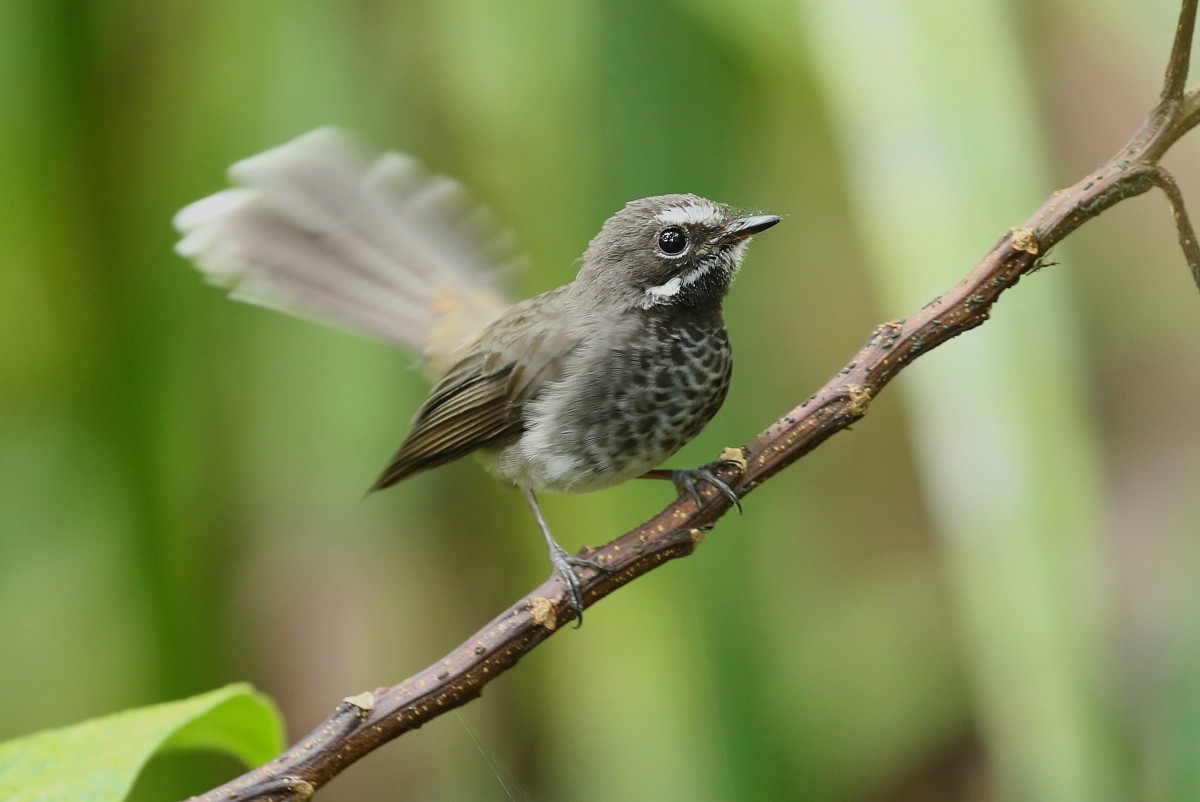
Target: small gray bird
x=577, y=389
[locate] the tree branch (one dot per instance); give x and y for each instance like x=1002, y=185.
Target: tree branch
x=1187, y=237
x=363, y=723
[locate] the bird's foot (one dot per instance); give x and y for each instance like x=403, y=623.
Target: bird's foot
x=565, y=565
x=686, y=479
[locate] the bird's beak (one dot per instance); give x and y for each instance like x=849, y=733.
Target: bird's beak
x=744, y=227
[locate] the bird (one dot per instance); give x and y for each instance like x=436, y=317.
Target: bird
x=577, y=389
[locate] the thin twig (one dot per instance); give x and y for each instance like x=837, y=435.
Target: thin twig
x=361, y=724
x=1181, y=53
x=1187, y=237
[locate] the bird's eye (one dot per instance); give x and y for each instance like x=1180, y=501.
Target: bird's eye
x=672, y=241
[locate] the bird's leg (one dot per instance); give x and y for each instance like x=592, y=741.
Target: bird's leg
x=686, y=479
x=563, y=563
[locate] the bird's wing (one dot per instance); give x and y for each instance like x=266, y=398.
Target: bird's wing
x=373, y=244
x=480, y=400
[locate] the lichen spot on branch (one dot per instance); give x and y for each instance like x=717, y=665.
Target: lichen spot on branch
x=860, y=398
x=542, y=611
x=363, y=702
x=1024, y=240
x=734, y=456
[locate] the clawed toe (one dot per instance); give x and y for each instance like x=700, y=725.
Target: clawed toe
x=584, y=562
x=564, y=565
x=687, y=479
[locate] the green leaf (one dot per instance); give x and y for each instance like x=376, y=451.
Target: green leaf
x=99, y=760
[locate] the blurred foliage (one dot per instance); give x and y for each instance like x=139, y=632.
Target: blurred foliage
x=986, y=591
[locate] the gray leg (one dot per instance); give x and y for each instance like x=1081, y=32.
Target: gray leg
x=562, y=561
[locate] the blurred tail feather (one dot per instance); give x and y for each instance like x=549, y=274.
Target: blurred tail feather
x=376, y=246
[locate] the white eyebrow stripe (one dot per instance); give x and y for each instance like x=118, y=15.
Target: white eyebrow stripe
x=691, y=214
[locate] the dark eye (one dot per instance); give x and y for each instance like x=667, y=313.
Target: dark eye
x=672, y=241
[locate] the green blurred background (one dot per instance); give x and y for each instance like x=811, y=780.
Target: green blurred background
x=987, y=591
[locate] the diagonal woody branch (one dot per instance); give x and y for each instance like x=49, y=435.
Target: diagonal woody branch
x=363, y=723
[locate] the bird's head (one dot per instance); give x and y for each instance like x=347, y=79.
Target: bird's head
x=669, y=250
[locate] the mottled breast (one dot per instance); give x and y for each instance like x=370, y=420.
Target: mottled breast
x=629, y=398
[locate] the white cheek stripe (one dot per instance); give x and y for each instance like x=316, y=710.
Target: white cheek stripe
x=664, y=292
x=691, y=214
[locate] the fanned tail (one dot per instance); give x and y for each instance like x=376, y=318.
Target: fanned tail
x=377, y=246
